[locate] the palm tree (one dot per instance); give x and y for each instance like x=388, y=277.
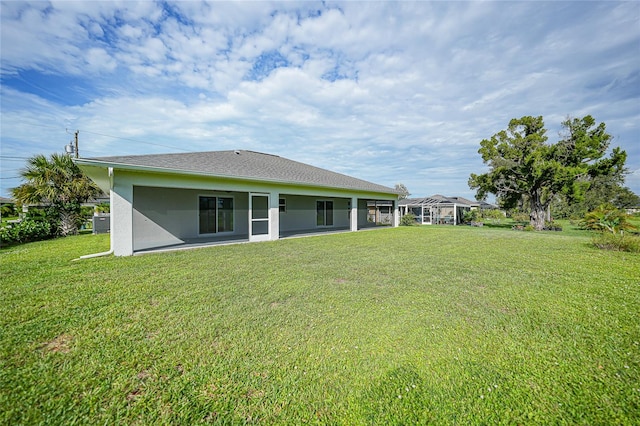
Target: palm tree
x=607, y=218
x=58, y=184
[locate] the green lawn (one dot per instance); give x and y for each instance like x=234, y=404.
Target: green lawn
x=412, y=325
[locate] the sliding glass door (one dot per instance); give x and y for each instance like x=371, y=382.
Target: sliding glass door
x=215, y=214
x=324, y=213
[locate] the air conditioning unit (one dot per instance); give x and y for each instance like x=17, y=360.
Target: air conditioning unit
x=101, y=224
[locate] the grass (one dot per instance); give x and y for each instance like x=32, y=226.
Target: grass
x=412, y=325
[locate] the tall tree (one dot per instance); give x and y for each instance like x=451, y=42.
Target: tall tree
x=59, y=185
x=404, y=192
x=602, y=190
x=626, y=198
x=523, y=166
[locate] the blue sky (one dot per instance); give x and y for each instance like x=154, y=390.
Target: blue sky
x=391, y=92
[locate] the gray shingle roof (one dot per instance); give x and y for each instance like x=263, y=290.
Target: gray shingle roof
x=433, y=200
x=244, y=164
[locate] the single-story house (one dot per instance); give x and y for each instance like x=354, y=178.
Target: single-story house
x=178, y=200
x=436, y=210
x=483, y=205
x=475, y=205
x=633, y=210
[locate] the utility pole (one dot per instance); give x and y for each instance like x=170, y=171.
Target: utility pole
x=76, y=134
x=71, y=148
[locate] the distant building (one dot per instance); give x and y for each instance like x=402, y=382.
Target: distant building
x=4, y=201
x=440, y=210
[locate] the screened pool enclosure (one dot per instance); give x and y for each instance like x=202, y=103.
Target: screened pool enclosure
x=435, y=210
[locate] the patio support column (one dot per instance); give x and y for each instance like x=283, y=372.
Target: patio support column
x=395, y=219
x=274, y=215
x=122, y=219
x=354, y=214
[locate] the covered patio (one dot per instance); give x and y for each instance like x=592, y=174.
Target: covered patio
x=201, y=242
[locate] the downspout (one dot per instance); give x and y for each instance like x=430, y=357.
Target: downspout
x=104, y=253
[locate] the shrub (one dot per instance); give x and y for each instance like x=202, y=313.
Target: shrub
x=408, y=219
x=86, y=212
x=472, y=216
x=8, y=210
x=552, y=226
x=617, y=242
x=493, y=214
x=103, y=208
x=607, y=218
x=520, y=217
x=36, y=214
x=25, y=231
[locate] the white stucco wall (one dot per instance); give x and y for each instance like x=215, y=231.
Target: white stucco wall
x=301, y=213
x=166, y=216
x=121, y=206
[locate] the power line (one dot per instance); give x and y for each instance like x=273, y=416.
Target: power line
x=111, y=136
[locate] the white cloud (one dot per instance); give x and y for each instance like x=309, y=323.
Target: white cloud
x=389, y=92
x=98, y=59
x=130, y=33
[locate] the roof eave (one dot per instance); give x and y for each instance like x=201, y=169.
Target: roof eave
x=152, y=169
